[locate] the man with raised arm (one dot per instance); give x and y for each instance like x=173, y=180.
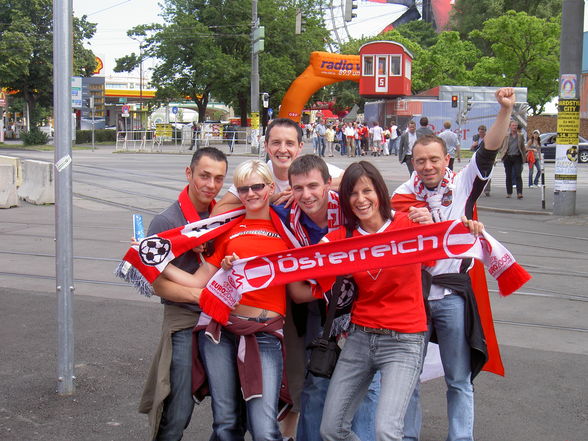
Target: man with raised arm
x=448, y=196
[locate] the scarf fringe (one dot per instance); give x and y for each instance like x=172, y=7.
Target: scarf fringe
x=214, y=307
x=132, y=276
x=512, y=279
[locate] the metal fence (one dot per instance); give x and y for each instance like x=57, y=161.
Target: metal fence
x=237, y=142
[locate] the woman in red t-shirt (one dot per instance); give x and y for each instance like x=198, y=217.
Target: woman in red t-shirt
x=388, y=318
x=254, y=235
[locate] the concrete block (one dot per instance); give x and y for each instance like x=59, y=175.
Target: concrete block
x=8, y=196
x=15, y=162
x=38, y=184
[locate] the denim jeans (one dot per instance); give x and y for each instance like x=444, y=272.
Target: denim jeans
x=513, y=167
x=447, y=316
x=398, y=357
x=179, y=404
x=312, y=398
x=536, y=165
x=220, y=362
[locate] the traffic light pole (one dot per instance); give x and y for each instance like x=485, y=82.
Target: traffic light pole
x=254, y=80
x=62, y=65
x=568, y=118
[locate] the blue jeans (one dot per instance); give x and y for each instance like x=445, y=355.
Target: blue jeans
x=220, y=362
x=179, y=404
x=447, y=317
x=394, y=146
x=537, y=176
x=312, y=398
x=398, y=357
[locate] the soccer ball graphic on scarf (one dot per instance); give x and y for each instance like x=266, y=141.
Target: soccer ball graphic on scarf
x=154, y=250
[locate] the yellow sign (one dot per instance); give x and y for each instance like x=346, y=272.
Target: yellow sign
x=255, y=120
x=568, y=122
x=163, y=130
x=99, y=66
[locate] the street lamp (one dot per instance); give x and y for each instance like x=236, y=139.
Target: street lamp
x=140, y=75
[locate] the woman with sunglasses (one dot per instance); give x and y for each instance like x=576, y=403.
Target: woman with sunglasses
x=388, y=320
x=257, y=234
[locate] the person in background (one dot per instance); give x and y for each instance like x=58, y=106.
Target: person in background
x=477, y=143
x=349, y=133
x=407, y=140
x=424, y=127
x=514, y=155
x=534, y=157
x=330, y=140
x=452, y=143
x=394, y=138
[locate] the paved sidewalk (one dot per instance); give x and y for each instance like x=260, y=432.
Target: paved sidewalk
x=116, y=331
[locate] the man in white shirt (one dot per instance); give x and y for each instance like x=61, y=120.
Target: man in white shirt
x=452, y=143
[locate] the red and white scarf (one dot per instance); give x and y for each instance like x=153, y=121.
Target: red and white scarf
x=187, y=207
x=144, y=262
x=323, y=261
x=334, y=218
x=415, y=193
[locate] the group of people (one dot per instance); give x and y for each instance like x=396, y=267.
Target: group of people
x=352, y=138
x=298, y=200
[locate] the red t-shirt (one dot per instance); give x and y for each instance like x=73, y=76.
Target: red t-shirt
x=389, y=298
x=253, y=237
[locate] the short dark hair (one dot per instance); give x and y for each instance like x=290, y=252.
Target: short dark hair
x=284, y=122
x=482, y=127
x=352, y=174
x=211, y=152
x=429, y=139
x=424, y=121
x=304, y=164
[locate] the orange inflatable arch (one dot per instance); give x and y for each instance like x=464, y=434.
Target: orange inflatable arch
x=325, y=68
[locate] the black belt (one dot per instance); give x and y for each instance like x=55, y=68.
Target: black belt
x=375, y=330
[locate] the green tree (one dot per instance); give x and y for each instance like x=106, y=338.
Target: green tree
x=420, y=32
x=468, y=15
x=205, y=49
x=525, y=53
x=447, y=62
x=26, y=52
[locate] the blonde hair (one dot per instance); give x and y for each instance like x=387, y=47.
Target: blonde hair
x=247, y=168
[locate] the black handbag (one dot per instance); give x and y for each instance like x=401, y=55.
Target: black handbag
x=324, y=350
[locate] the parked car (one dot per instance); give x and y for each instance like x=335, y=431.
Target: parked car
x=548, y=147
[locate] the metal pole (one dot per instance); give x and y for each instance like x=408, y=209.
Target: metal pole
x=254, y=78
x=62, y=64
x=568, y=119
x=92, y=128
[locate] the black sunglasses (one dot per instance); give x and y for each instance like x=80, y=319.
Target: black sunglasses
x=255, y=187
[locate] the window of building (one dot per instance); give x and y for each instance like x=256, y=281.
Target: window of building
x=368, y=65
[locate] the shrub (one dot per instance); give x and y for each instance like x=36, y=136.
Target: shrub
x=100, y=135
x=34, y=137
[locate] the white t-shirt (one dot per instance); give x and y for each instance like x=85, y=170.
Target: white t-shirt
x=377, y=132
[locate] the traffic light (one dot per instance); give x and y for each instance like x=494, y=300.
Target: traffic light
x=265, y=99
x=350, y=5
x=468, y=103
x=454, y=100
x=300, y=22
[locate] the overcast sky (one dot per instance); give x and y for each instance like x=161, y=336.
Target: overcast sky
x=115, y=17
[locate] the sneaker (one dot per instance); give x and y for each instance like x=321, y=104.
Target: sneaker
x=519, y=196
x=508, y=196
x=487, y=193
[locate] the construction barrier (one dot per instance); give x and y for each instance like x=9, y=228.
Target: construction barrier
x=38, y=186
x=8, y=196
x=15, y=162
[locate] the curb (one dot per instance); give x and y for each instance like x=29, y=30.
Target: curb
x=514, y=211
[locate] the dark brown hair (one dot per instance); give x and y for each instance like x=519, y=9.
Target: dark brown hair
x=352, y=174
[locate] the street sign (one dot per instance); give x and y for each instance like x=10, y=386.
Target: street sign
x=270, y=112
x=2, y=99
x=125, y=111
x=174, y=110
x=76, y=92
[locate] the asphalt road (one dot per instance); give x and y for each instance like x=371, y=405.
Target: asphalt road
x=542, y=329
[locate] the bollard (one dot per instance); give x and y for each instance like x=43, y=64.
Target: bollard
x=38, y=186
x=15, y=162
x=8, y=196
